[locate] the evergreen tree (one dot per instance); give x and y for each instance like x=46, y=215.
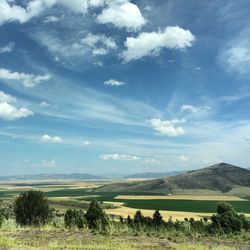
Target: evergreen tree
x=32, y=208
x=157, y=219
x=95, y=217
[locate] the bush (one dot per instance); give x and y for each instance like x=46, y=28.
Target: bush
x=157, y=219
x=74, y=218
x=95, y=217
x=227, y=220
x=31, y=208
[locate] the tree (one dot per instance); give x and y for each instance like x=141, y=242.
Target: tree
x=138, y=217
x=32, y=208
x=227, y=220
x=157, y=219
x=74, y=218
x=95, y=217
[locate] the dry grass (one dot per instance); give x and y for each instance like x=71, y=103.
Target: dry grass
x=179, y=197
x=176, y=215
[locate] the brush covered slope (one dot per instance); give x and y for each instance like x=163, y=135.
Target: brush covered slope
x=221, y=177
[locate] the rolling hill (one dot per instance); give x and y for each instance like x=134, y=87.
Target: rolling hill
x=152, y=175
x=221, y=177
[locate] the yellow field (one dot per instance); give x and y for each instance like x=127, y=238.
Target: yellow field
x=179, y=197
x=175, y=215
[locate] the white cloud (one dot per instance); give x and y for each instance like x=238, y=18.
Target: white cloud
x=189, y=108
x=10, y=112
x=238, y=59
x=113, y=82
x=126, y=15
x=51, y=19
x=99, y=44
x=16, y=13
x=45, y=164
x=6, y=98
x=85, y=143
x=51, y=139
x=151, y=161
x=44, y=104
x=7, y=48
x=167, y=127
x=184, y=158
x=119, y=157
x=28, y=80
x=151, y=43
x=201, y=110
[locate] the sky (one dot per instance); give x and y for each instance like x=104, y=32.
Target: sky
x=113, y=87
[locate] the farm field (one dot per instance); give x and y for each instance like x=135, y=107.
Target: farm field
x=77, y=195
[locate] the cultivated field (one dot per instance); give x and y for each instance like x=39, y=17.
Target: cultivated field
x=77, y=195
x=179, y=197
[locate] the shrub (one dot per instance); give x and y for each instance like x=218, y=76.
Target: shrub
x=74, y=218
x=95, y=217
x=31, y=208
x=227, y=220
x=157, y=219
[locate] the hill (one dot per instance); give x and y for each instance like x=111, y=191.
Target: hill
x=221, y=177
x=74, y=176
x=152, y=175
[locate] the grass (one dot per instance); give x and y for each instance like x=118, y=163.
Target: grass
x=47, y=238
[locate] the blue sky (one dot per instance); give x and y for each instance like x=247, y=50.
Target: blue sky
x=119, y=86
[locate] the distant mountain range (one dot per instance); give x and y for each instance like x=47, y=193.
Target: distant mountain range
x=152, y=175
x=221, y=177
x=74, y=176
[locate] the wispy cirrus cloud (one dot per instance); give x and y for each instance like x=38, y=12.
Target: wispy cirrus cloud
x=7, y=48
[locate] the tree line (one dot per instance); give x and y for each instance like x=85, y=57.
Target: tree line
x=32, y=209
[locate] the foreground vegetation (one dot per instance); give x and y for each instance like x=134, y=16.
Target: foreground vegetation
x=31, y=224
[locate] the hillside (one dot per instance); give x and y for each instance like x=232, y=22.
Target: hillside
x=152, y=175
x=221, y=177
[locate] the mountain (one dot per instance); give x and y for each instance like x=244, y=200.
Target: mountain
x=221, y=177
x=152, y=175
x=74, y=176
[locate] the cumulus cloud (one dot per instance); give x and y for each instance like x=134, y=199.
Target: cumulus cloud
x=28, y=80
x=151, y=43
x=151, y=161
x=7, y=48
x=126, y=15
x=121, y=13
x=168, y=127
x=119, y=157
x=8, y=111
x=10, y=12
x=113, y=82
x=99, y=44
x=51, y=139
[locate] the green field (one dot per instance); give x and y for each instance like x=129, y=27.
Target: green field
x=82, y=195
